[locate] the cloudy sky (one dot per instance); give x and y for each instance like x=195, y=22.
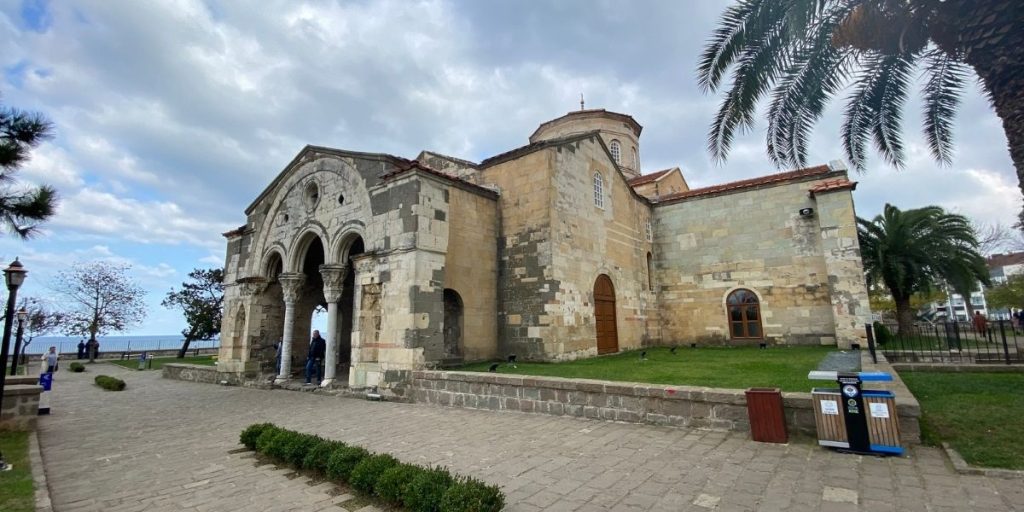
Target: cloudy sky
x=172, y=115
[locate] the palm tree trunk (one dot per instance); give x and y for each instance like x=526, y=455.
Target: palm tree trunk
x=987, y=33
x=904, y=316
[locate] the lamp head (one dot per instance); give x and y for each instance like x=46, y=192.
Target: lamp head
x=22, y=314
x=14, y=274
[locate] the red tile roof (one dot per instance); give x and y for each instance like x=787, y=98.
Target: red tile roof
x=234, y=232
x=414, y=165
x=1003, y=260
x=750, y=183
x=830, y=185
x=647, y=178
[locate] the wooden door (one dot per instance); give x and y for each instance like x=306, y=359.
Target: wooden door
x=604, y=314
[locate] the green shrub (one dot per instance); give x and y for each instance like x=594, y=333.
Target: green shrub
x=110, y=383
x=266, y=439
x=365, y=475
x=392, y=482
x=252, y=433
x=317, y=456
x=343, y=460
x=77, y=367
x=295, y=448
x=882, y=333
x=424, y=492
x=472, y=495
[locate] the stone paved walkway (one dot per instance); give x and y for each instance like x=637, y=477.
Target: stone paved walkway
x=166, y=445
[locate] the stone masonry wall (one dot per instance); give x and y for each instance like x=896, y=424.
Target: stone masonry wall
x=706, y=247
x=587, y=241
x=21, y=406
x=525, y=281
x=471, y=269
x=679, y=406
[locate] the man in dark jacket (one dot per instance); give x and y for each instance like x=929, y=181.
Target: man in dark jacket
x=314, y=360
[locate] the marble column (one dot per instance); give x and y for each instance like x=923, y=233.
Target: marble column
x=291, y=285
x=334, y=283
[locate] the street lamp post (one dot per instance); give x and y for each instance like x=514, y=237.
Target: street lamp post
x=22, y=316
x=14, y=274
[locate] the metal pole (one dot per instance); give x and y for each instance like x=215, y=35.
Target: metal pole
x=869, y=329
x=1006, y=348
x=12, y=295
x=17, y=345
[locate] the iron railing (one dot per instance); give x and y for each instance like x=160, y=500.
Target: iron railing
x=999, y=341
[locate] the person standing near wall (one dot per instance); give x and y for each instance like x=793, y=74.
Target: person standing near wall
x=81, y=349
x=51, y=358
x=314, y=360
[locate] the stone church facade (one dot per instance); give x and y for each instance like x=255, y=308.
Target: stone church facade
x=556, y=250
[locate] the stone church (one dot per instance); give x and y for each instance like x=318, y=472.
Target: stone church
x=556, y=250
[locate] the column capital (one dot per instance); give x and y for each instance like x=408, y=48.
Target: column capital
x=291, y=285
x=334, y=281
x=250, y=286
x=364, y=263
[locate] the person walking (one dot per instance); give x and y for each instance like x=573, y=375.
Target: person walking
x=51, y=360
x=317, y=350
x=980, y=323
x=81, y=349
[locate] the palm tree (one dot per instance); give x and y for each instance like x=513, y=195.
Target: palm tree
x=22, y=207
x=911, y=251
x=804, y=51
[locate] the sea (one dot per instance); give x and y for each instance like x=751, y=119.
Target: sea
x=69, y=344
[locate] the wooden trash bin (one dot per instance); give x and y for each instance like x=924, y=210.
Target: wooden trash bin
x=767, y=419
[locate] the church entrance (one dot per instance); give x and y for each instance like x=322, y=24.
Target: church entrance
x=604, y=315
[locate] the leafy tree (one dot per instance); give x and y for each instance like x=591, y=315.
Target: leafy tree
x=801, y=53
x=1007, y=295
x=910, y=251
x=42, y=320
x=22, y=207
x=100, y=298
x=201, y=300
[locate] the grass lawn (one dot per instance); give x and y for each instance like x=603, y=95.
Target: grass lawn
x=16, y=491
x=159, y=362
x=718, y=367
x=979, y=414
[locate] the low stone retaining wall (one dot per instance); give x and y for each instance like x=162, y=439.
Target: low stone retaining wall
x=199, y=373
x=21, y=404
x=682, y=406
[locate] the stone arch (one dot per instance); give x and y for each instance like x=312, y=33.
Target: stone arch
x=272, y=264
x=301, y=244
x=453, y=324
x=345, y=241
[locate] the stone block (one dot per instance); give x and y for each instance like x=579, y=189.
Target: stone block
x=729, y=412
x=591, y=412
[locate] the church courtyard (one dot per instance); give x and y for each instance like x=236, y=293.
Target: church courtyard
x=170, y=445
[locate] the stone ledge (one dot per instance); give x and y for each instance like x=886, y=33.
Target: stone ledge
x=682, y=406
x=961, y=466
x=22, y=389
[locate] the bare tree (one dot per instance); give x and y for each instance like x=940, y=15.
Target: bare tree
x=42, y=320
x=995, y=238
x=100, y=298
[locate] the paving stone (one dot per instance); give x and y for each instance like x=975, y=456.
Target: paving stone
x=164, y=445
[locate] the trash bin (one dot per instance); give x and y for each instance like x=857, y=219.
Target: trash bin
x=767, y=420
x=142, y=361
x=849, y=418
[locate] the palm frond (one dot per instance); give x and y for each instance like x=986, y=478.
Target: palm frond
x=941, y=91
x=726, y=42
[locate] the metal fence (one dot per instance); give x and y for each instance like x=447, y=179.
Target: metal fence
x=950, y=342
x=121, y=346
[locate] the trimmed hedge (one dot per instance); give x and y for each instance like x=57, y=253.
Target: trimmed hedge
x=110, y=383
x=77, y=367
x=882, y=333
x=416, y=488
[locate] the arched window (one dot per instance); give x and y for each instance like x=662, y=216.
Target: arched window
x=616, y=150
x=636, y=160
x=650, y=273
x=598, y=190
x=744, y=315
